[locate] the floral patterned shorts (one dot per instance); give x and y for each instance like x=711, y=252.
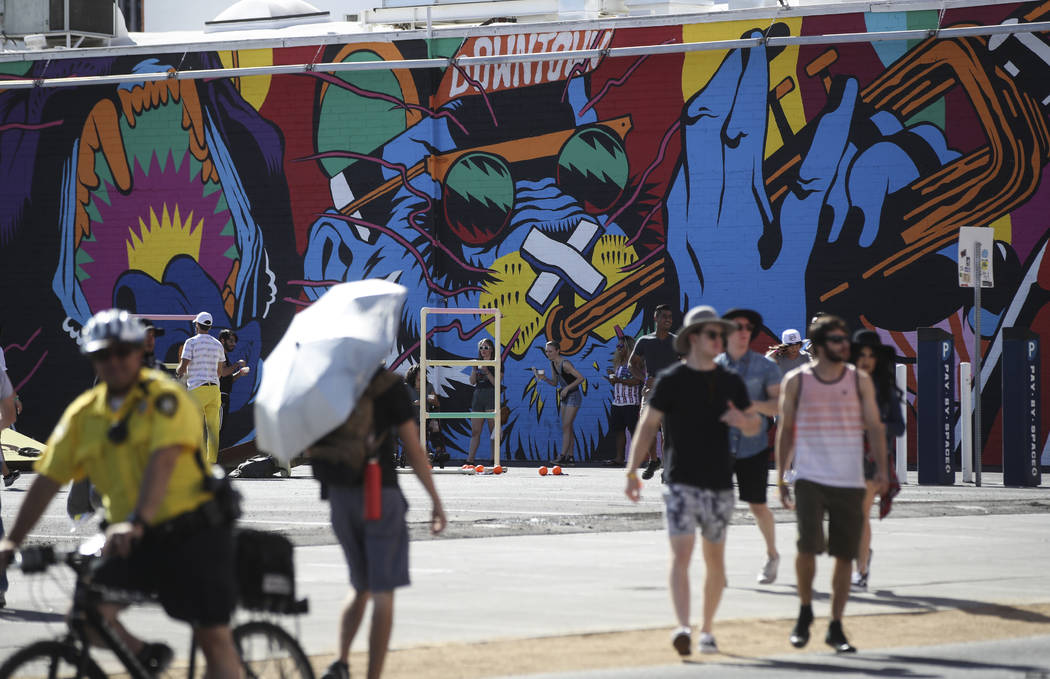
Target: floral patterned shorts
x=688, y=507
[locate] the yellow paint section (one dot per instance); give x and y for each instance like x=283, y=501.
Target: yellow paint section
x=612, y=253
x=253, y=88
x=507, y=292
x=1004, y=229
x=164, y=238
x=699, y=67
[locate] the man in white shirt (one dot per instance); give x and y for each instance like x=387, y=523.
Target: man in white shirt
x=11, y=401
x=202, y=358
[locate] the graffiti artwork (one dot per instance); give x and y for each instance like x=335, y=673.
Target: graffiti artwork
x=573, y=196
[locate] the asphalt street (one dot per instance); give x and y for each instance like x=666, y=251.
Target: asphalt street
x=530, y=557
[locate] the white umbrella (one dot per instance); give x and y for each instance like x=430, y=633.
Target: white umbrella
x=324, y=362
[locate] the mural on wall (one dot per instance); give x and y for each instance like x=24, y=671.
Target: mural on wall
x=574, y=196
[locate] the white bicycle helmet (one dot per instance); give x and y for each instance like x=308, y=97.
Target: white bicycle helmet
x=111, y=326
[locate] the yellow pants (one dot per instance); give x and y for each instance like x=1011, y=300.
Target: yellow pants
x=207, y=395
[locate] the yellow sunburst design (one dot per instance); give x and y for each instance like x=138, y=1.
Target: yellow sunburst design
x=164, y=238
x=513, y=277
x=611, y=253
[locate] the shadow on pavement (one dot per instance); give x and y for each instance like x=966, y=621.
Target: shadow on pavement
x=888, y=597
x=965, y=605
x=27, y=615
x=829, y=668
x=889, y=665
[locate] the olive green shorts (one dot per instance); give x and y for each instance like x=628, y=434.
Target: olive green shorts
x=844, y=508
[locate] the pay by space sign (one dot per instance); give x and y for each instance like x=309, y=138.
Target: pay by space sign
x=1022, y=410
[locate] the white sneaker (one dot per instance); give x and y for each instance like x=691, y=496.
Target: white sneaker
x=707, y=643
x=768, y=574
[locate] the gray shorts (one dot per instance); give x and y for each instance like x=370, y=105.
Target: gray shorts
x=376, y=551
x=573, y=398
x=689, y=506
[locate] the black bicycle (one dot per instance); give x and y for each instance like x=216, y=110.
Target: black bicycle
x=265, y=648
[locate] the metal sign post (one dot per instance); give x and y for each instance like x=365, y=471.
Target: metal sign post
x=975, y=269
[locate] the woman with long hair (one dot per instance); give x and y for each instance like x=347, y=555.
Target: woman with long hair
x=570, y=395
x=627, y=389
x=484, y=380
x=869, y=354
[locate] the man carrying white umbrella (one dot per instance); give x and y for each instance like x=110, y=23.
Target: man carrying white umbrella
x=323, y=372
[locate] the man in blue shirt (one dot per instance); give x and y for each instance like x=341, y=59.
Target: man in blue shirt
x=751, y=453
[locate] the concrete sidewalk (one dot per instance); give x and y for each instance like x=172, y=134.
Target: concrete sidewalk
x=477, y=590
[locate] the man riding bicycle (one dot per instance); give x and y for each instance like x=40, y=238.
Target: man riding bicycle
x=137, y=435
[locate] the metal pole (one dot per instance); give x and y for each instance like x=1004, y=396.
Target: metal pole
x=423, y=381
x=965, y=428
x=497, y=354
x=902, y=440
x=978, y=441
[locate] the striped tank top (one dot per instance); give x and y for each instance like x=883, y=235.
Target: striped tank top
x=829, y=430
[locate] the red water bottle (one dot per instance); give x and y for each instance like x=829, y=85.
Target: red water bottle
x=373, y=490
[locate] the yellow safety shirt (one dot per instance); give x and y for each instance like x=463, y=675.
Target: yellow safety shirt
x=158, y=413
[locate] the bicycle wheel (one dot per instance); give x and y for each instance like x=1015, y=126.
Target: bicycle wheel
x=50, y=660
x=269, y=652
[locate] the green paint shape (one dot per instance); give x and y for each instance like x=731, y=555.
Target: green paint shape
x=232, y=253
x=227, y=229
x=18, y=68
x=82, y=257
x=105, y=179
x=356, y=123
x=157, y=132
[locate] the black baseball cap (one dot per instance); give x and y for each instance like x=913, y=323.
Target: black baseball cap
x=148, y=322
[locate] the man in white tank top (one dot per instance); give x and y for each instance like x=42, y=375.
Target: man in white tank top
x=826, y=409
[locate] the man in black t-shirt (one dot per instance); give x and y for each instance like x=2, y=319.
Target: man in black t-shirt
x=696, y=401
x=376, y=551
x=652, y=353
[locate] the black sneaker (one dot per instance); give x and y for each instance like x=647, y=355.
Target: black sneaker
x=800, y=634
x=837, y=639
x=337, y=670
x=651, y=468
x=156, y=658
x=11, y=478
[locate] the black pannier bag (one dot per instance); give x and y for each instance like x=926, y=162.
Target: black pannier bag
x=266, y=571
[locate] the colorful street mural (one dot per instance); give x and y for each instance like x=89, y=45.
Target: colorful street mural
x=574, y=196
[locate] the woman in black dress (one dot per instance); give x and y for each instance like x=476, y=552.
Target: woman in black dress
x=484, y=380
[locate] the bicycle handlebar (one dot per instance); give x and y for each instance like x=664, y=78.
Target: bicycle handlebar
x=38, y=558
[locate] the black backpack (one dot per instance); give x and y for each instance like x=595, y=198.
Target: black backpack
x=258, y=467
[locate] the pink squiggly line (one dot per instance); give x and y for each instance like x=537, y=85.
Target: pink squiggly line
x=455, y=324
x=509, y=344
x=339, y=82
x=579, y=67
x=410, y=249
x=23, y=347
x=413, y=190
x=641, y=227
x=299, y=302
x=616, y=82
x=397, y=167
x=30, y=126
x=645, y=175
x=641, y=262
x=25, y=380
x=315, y=284
x=481, y=90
